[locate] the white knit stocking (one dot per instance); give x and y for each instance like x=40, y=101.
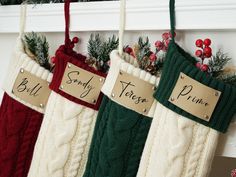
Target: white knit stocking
x=21, y=60
x=64, y=139
x=177, y=146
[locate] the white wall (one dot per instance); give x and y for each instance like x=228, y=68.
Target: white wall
x=220, y=39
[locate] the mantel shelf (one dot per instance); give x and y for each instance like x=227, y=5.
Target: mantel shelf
x=141, y=15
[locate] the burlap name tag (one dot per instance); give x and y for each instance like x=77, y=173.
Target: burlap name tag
x=194, y=97
x=133, y=93
x=31, y=89
x=81, y=84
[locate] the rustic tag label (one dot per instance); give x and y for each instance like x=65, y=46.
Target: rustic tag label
x=133, y=93
x=194, y=97
x=81, y=84
x=31, y=89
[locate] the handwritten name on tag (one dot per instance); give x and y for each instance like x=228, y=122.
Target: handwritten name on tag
x=194, y=97
x=81, y=84
x=133, y=93
x=31, y=89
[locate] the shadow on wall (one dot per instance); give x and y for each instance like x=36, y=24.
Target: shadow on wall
x=222, y=167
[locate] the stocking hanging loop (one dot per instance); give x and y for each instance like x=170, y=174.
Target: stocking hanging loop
x=172, y=18
x=22, y=18
x=67, y=22
x=122, y=25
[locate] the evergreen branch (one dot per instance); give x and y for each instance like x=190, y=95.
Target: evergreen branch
x=99, y=51
x=36, y=46
x=94, y=44
x=218, y=62
x=107, y=47
x=144, y=52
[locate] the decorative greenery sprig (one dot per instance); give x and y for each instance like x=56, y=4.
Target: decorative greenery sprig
x=36, y=46
x=99, y=51
x=148, y=60
x=217, y=64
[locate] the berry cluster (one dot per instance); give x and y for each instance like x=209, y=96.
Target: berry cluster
x=204, y=52
x=163, y=45
x=160, y=45
x=74, y=41
x=233, y=173
x=149, y=60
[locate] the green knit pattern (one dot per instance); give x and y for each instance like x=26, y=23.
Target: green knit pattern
x=118, y=141
x=177, y=60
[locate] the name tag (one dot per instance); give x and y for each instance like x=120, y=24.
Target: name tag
x=194, y=97
x=31, y=89
x=81, y=84
x=133, y=93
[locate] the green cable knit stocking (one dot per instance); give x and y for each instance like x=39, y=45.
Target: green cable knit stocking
x=120, y=133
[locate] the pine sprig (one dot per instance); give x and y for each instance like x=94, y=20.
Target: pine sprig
x=36, y=46
x=94, y=45
x=107, y=47
x=144, y=52
x=148, y=60
x=218, y=63
x=99, y=51
x=217, y=66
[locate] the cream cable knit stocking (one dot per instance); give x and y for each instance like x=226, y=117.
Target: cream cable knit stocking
x=64, y=139
x=177, y=146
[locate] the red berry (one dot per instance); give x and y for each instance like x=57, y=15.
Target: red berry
x=153, y=57
x=198, y=53
x=208, y=55
x=128, y=50
x=198, y=65
x=167, y=42
x=207, y=42
x=233, y=173
x=199, y=43
x=207, y=52
x=171, y=34
x=132, y=54
x=165, y=36
x=159, y=44
x=72, y=45
x=164, y=48
x=75, y=40
x=204, y=67
x=53, y=59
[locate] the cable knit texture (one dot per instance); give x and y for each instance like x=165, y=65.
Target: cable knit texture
x=180, y=144
x=62, y=147
x=179, y=61
x=177, y=146
x=120, y=133
x=19, y=121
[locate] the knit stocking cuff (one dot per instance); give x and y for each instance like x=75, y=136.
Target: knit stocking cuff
x=22, y=60
x=177, y=60
x=127, y=64
x=62, y=58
